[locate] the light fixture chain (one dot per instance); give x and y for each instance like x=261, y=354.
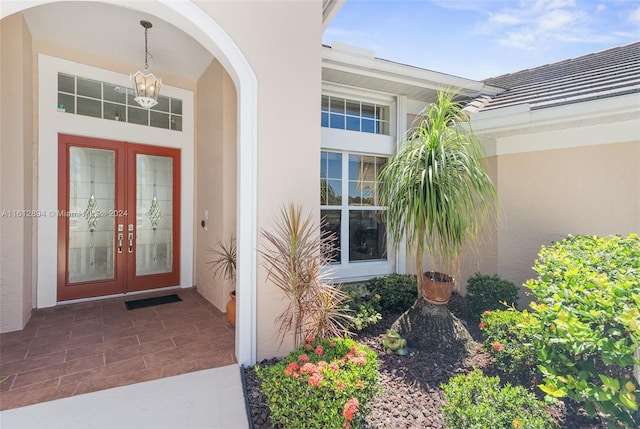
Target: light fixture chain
x=146, y=51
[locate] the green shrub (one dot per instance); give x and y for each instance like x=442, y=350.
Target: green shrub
x=508, y=337
x=486, y=292
x=364, y=306
x=397, y=292
x=325, y=383
x=588, y=299
x=478, y=402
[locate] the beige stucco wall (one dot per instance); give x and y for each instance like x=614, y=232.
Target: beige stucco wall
x=215, y=177
x=282, y=42
x=16, y=175
x=593, y=190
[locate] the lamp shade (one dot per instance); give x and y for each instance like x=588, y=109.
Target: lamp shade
x=146, y=87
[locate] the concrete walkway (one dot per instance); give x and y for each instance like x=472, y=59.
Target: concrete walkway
x=212, y=398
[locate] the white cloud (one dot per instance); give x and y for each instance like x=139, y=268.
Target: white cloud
x=634, y=16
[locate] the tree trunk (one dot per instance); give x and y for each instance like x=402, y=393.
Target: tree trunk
x=433, y=328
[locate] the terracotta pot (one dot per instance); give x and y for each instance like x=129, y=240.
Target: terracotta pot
x=437, y=287
x=231, y=308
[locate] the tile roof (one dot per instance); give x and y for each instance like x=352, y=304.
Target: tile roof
x=609, y=73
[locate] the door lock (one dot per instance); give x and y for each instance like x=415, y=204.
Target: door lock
x=120, y=240
x=131, y=242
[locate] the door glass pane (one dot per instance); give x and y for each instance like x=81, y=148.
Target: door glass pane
x=91, y=205
x=154, y=214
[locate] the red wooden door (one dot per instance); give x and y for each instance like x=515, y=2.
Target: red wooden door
x=119, y=217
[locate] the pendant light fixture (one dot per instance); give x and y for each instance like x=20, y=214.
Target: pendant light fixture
x=145, y=85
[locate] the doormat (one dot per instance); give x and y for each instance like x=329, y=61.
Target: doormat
x=150, y=302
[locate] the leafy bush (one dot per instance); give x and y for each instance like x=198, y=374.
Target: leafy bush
x=588, y=299
x=508, y=338
x=364, y=306
x=478, y=402
x=326, y=383
x=397, y=292
x=486, y=292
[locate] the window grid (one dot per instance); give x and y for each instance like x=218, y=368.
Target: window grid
x=345, y=114
x=353, y=214
x=88, y=97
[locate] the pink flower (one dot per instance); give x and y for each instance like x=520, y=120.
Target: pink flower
x=315, y=379
x=308, y=368
x=482, y=325
x=319, y=350
x=303, y=358
x=340, y=385
x=333, y=366
x=309, y=339
x=322, y=364
x=292, y=369
x=486, y=313
x=360, y=361
x=359, y=385
x=497, y=346
x=307, y=347
x=350, y=408
x=332, y=344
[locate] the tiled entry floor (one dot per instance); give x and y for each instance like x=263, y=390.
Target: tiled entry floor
x=79, y=348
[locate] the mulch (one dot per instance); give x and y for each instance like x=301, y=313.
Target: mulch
x=411, y=396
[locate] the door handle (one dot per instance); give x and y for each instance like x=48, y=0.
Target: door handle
x=131, y=242
x=120, y=240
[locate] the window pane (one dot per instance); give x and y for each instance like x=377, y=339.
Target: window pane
x=368, y=111
x=337, y=121
x=367, y=235
x=334, y=165
x=89, y=107
x=324, y=104
x=384, y=128
x=353, y=123
x=159, y=120
x=137, y=116
x=66, y=83
x=89, y=88
x=66, y=101
x=110, y=94
x=337, y=105
x=163, y=104
x=324, y=119
x=176, y=123
x=331, y=228
x=368, y=126
x=176, y=106
x=324, y=185
x=383, y=113
x=353, y=108
x=114, y=112
x=334, y=192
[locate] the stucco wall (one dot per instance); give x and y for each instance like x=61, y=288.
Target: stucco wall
x=593, y=190
x=215, y=177
x=16, y=175
x=282, y=42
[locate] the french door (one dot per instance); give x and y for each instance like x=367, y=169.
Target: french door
x=118, y=217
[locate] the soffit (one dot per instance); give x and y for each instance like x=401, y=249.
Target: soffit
x=115, y=32
x=353, y=67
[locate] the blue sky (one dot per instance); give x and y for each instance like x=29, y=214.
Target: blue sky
x=478, y=39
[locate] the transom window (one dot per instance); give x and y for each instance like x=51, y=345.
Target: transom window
x=104, y=100
x=350, y=206
x=353, y=115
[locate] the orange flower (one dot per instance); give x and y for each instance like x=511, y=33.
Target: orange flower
x=303, y=358
x=482, y=325
x=340, y=385
x=498, y=347
x=315, y=379
x=319, y=350
x=350, y=408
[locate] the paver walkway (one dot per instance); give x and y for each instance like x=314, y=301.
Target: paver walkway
x=73, y=349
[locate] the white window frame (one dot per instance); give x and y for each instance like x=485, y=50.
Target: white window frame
x=349, y=142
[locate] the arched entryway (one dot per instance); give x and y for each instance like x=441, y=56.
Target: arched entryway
x=201, y=27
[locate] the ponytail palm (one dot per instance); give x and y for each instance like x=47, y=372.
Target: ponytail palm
x=435, y=188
